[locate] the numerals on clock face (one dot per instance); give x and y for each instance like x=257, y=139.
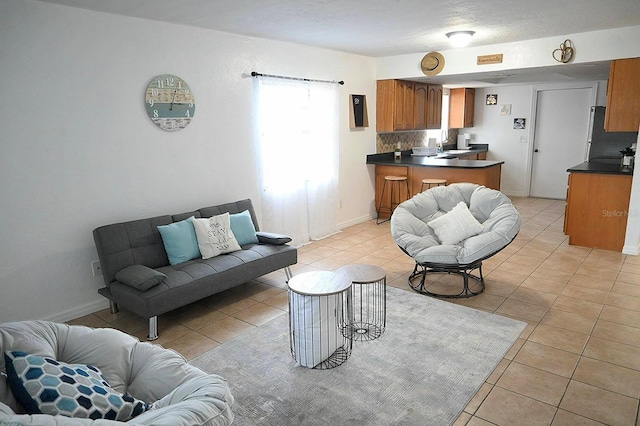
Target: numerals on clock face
x=169, y=102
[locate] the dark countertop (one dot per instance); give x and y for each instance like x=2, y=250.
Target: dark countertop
x=408, y=160
x=602, y=168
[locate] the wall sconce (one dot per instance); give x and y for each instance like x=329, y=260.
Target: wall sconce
x=460, y=38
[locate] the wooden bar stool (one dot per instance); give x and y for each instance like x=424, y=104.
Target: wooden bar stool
x=395, y=182
x=432, y=182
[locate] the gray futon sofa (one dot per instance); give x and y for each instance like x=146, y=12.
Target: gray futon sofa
x=120, y=246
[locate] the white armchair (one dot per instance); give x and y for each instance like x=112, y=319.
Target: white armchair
x=443, y=236
x=179, y=393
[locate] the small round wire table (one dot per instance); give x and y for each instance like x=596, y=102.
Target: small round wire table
x=369, y=292
x=319, y=311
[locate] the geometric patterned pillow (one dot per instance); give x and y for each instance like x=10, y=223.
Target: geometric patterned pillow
x=46, y=386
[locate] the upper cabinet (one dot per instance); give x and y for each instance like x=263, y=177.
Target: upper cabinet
x=623, y=96
x=420, y=106
x=403, y=117
x=407, y=105
x=394, y=109
x=434, y=111
x=427, y=106
x=461, y=108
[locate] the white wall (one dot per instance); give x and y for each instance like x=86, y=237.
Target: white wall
x=497, y=130
x=592, y=46
x=78, y=150
x=632, y=236
x=505, y=142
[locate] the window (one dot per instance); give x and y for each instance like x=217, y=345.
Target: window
x=298, y=147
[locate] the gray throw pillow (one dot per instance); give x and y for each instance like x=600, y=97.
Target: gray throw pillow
x=271, y=238
x=140, y=277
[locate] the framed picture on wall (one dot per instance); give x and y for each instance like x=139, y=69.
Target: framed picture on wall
x=492, y=99
x=519, y=123
x=358, y=116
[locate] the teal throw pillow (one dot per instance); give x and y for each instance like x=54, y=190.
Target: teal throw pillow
x=180, y=241
x=243, y=229
x=46, y=386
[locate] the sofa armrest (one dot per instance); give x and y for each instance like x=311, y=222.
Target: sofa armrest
x=271, y=238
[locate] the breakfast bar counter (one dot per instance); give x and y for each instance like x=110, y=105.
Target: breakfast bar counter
x=417, y=161
x=416, y=168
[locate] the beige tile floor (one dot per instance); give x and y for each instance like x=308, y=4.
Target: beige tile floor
x=577, y=363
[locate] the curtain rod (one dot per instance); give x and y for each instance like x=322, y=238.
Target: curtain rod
x=257, y=74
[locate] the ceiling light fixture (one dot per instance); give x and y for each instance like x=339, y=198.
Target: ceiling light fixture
x=460, y=38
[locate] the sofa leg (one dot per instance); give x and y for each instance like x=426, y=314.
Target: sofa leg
x=114, y=307
x=153, y=328
x=287, y=272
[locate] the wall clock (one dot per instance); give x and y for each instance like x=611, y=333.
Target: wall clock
x=170, y=102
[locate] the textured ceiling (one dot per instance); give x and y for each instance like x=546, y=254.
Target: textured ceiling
x=381, y=27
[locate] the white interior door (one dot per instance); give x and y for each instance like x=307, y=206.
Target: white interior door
x=560, y=138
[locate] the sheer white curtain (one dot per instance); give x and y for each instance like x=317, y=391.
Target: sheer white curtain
x=298, y=146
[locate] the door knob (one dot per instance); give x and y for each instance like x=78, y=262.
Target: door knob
x=535, y=150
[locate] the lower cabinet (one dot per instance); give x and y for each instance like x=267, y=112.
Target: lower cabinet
x=481, y=156
x=487, y=176
x=597, y=210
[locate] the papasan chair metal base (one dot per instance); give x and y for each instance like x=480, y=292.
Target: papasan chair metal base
x=420, y=271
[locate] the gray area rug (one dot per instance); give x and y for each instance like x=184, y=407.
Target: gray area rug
x=425, y=368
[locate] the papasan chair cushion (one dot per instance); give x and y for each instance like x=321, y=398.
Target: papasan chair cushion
x=499, y=218
x=177, y=392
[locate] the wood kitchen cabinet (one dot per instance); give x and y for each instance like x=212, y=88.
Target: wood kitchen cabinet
x=434, y=110
x=407, y=105
x=427, y=106
x=488, y=176
x=461, y=107
x=623, y=96
x=420, y=106
x=394, y=108
x=597, y=210
x=480, y=156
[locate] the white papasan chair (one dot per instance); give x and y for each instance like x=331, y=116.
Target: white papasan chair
x=499, y=223
x=177, y=392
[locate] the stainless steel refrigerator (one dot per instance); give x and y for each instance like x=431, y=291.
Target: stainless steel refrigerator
x=605, y=147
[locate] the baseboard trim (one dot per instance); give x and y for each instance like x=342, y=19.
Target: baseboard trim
x=78, y=311
x=354, y=221
x=521, y=194
x=629, y=249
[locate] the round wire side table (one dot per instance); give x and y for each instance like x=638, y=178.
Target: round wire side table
x=319, y=311
x=369, y=293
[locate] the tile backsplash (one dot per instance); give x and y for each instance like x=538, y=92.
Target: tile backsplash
x=387, y=142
